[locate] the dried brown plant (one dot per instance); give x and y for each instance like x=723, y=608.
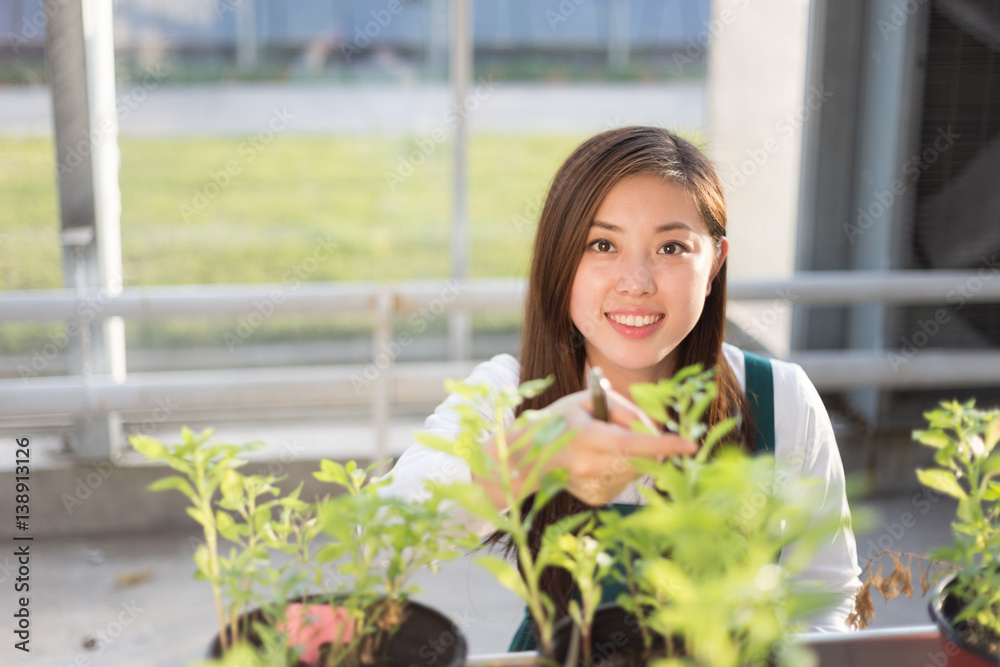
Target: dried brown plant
x=898, y=582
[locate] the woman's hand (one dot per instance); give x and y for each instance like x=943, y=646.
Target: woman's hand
x=597, y=457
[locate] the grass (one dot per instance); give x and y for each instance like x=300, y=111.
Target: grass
x=293, y=200
x=290, y=196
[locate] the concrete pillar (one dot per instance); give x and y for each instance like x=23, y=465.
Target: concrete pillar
x=757, y=106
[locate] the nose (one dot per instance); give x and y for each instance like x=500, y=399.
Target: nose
x=636, y=279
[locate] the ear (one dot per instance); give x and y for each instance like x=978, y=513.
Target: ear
x=720, y=257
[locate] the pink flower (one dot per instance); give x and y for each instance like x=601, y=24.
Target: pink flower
x=309, y=626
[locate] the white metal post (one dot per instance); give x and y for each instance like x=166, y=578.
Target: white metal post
x=459, y=324
x=246, y=34
x=80, y=55
x=619, y=37
x=384, y=314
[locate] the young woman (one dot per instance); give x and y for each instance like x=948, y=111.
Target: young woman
x=629, y=274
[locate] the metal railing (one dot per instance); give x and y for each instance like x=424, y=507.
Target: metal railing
x=411, y=383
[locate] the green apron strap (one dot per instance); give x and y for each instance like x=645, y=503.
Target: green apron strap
x=760, y=391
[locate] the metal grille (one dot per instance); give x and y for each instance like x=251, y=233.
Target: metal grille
x=956, y=165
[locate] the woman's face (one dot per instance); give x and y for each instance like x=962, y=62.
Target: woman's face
x=643, y=279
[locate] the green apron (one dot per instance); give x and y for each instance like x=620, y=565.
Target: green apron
x=760, y=391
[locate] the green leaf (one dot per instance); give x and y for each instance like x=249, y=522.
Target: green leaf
x=148, y=447
x=992, y=435
x=175, y=483
x=943, y=481
x=331, y=471
x=533, y=388
x=648, y=400
x=196, y=514
x=226, y=526
x=261, y=517
x=991, y=465
x=232, y=485
x=719, y=431
x=436, y=442
x=932, y=438
x=330, y=552
x=506, y=574
x=473, y=499
x=552, y=483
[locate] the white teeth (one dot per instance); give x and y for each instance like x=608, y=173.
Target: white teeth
x=633, y=321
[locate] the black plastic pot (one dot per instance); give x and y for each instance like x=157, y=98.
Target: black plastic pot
x=615, y=639
x=944, y=607
x=425, y=637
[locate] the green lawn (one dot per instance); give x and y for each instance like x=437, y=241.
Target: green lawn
x=289, y=195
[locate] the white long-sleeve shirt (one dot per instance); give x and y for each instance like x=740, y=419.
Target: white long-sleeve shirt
x=804, y=446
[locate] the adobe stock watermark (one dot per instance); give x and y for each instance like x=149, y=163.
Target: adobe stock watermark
x=290, y=450
x=697, y=45
x=33, y=27
x=87, y=310
x=223, y=7
x=381, y=18
x=428, y=145
x=248, y=151
x=900, y=14
x=893, y=531
x=528, y=216
x=419, y=321
x=917, y=164
x=264, y=308
x=781, y=304
x=957, y=298
x=105, y=130
x=86, y=485
x=100, y=640
x=562, y=13
x=784, y=128
x=940, y=658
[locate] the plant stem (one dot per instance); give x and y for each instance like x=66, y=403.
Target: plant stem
x=520, y=539
x=212, y=545
x=628, y=564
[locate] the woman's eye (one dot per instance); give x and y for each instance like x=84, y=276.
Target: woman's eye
x=672, y=248
x=602, y=245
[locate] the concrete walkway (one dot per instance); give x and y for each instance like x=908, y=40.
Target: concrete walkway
x=158, y=109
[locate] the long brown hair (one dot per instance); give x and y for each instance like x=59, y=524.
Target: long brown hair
x=551, y=344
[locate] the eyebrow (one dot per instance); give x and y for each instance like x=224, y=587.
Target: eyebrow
x=667, y=227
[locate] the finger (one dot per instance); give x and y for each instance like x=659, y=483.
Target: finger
x=630, y=444
x=624, y=412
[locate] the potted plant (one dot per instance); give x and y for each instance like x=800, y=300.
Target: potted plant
x=966, y=601
x=698, y=562
x=310, y=583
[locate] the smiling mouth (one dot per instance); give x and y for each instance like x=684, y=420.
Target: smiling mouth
x=634, y=321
